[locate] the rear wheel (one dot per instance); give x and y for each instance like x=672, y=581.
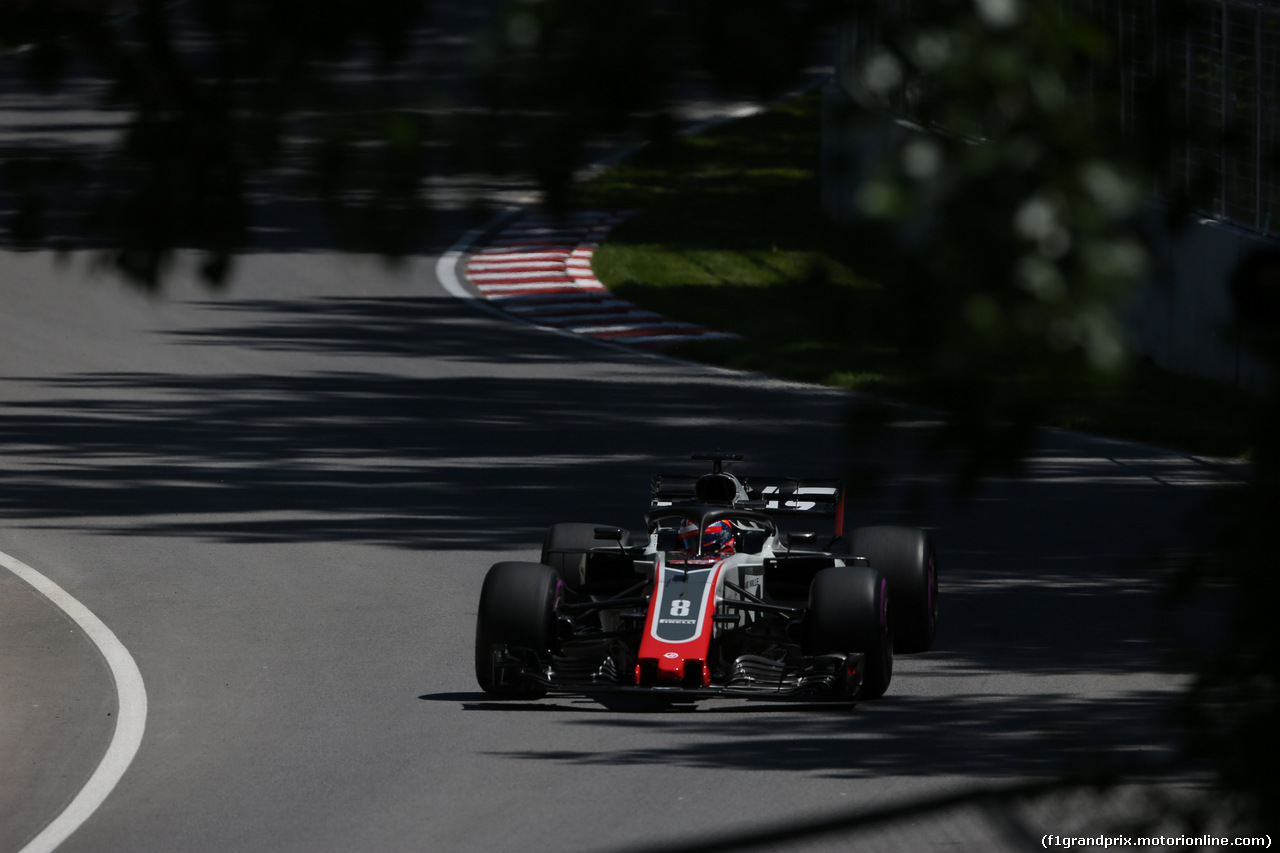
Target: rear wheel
x=517, y=615
x=849, y=612
x=907, y=559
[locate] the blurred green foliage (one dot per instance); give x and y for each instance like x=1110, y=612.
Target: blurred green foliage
x=556, y=73
x=1231, y=708
x=210, y=94
x=1009, y=221
x=1015, y=220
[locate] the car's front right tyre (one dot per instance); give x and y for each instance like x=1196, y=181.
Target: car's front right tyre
x=849, y=612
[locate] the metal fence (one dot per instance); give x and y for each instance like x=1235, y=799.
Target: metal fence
x=1207, y=70
x=1212, y=64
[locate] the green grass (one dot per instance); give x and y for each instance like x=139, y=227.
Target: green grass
x=731, y=234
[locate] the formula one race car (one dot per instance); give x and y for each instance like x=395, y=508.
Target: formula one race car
x=717, y=602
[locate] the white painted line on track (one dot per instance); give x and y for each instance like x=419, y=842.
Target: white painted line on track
x=595, y=318
x=533, y=275
x=488, y=254
x=572, y=307
x=484, y=266
x=629, y=328
x=131, y=715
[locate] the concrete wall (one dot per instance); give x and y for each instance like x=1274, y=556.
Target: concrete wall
x=1182, y=316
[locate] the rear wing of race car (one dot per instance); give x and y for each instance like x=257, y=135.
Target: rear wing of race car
x=777, y=496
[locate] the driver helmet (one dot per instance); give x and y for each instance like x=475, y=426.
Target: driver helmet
x=717, y=539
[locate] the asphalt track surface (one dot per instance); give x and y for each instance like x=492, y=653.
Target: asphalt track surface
x=282, y=500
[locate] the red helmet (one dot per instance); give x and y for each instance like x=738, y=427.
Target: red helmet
x=717, y=539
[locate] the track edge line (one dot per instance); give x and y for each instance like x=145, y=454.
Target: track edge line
x=131, y=713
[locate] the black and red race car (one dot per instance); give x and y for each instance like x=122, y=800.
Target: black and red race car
x=717, y=602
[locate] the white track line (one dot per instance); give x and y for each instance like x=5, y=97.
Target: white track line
x=131, y=715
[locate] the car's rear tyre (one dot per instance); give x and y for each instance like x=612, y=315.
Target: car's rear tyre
x=517, y=611
x=849, y=612
x=907, y=559
x=574, y=537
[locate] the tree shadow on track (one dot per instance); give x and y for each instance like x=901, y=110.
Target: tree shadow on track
x=969, y=735
x=396, y=438
x=416, y=423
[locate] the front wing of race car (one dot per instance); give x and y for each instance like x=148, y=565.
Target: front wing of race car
x=828, y=677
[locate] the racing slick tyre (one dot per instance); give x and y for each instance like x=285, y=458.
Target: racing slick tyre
x=518, y=604
x=574, y=537
x=849, y=612
x=907, y=559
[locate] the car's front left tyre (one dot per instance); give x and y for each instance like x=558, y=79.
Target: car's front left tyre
x=516, y=619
